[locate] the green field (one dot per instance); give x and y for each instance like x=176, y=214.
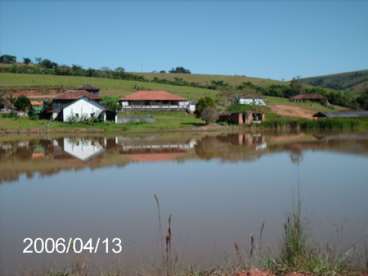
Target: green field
x=306, y=105
x=206, y=79
x=107, y=86
x=164, y=121
x=356, y=81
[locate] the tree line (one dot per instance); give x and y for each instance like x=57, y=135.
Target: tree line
x=285, y=90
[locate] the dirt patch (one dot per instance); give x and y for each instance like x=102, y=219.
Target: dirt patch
x=292, y=111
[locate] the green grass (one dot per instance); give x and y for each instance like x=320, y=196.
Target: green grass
x=110, y=87
x=163, y=121
x=206, y=79
x=355, y=81
x=275, y=121
x=297, y=255
x=308, y=105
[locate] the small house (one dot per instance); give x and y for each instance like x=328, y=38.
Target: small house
x=251, y=101
x=155, y=100
x=309, y=97
x=68, y=97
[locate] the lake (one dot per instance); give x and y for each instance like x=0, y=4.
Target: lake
x=219, y=189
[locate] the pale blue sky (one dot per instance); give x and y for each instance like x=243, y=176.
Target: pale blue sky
x=274, y=39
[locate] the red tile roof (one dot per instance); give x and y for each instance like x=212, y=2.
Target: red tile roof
x=75, y=95
x=153, y=96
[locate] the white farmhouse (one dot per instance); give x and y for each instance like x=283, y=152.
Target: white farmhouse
x=155, y=100
x=83, y=109
x=251, y=101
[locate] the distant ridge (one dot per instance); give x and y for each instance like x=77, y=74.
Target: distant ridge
x=356, y=81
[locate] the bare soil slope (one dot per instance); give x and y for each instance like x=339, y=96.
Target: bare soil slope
x=292, y=111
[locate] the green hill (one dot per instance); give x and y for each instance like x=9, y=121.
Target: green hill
x=233, y=80
x=111, y=87
x=355, y=81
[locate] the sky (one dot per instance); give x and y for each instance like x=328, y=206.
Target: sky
x=269, y=39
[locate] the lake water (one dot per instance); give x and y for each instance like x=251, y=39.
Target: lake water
x=219, y=189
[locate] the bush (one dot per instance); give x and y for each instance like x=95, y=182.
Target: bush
x=111, y=103
x=8, y=59
x=363, y=100
x=209, y=115
x=27, y=61
x=204, y=103
x=22, y=103
x=180, y=69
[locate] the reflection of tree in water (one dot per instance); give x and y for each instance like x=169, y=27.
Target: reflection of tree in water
x=296, y=155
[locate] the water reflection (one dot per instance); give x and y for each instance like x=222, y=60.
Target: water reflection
x=219, y=188
x=83, y=149
x=46, y=156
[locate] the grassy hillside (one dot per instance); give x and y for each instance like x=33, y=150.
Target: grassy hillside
x=356, y=81
x=107, y=86
x=125, y=87
x=206, y=79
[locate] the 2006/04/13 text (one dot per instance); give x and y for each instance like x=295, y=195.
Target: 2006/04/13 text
x=72, y=245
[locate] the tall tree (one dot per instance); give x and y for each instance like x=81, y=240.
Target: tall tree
x=8, y=59
x=27, y=61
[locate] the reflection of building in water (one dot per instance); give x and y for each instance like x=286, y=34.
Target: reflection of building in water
x=144, y=152
x=83, y=149
x=251, y=140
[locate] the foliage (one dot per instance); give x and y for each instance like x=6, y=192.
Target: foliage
x=352, y=81
x=120, y=70
x=163, y=121
x=22, y=103
x=48, y=67
x=296, y=87
x=111, y=103
x=363, y=100
x=204, y=103
x=179, y=69
x=27, y=61
x=2, y=100
x=296, y=256
x=9, y=59
x=46, y=63
x=209, y=115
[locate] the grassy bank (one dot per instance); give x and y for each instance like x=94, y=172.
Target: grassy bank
x=342, y=124
x=163, y=121
x=178, y=121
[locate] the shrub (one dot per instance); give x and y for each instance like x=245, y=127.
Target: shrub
x=8, y=59
x=27, y=61
x=180, y=69
x=111, y=103
x=363, y=100
x=22, y=103
x=204, y=103
x=209, y=115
